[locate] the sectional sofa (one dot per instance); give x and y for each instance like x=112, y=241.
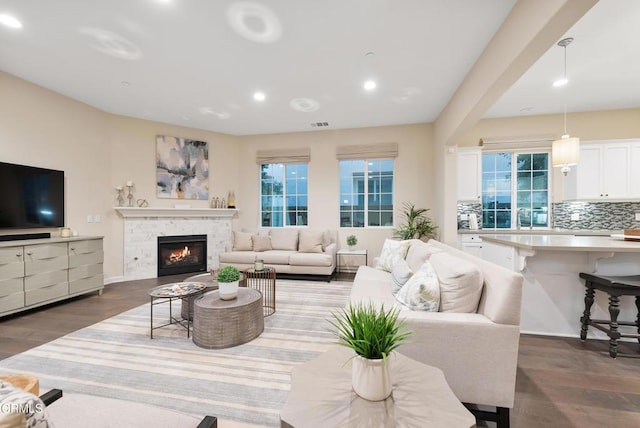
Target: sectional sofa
x=474, y=336
x=288, y=250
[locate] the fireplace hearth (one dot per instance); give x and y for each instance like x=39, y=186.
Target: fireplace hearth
x=182, y=254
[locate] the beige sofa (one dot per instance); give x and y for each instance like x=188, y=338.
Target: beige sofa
x=290, y=251
x=477, y=351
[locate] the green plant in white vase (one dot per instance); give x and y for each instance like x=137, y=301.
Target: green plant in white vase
x=352, y=241
x=373, y=335
x=228, y=280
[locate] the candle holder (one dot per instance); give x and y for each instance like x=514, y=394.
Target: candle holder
x=130, y=195
x=120, y=196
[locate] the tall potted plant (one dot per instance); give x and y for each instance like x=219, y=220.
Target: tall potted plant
x=416, y=223
x=228, y=280
x=373, y=335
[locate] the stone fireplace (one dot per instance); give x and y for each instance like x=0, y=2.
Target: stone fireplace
x=182, y=254
x=143, y=226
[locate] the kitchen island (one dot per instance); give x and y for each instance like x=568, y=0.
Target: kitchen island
x=553, y=293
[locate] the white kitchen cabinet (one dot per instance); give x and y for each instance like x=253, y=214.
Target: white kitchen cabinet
x=604, y=172
x=634, y=178
x=38, y=272
x=470, y=243
x=470, y=174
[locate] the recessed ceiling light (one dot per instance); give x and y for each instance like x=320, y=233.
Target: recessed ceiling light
x=259, y=96
x=10, y=21
x=254, y=22
x=560, y=82
x=526, y=109
x=370, y=85
x=125, y=83
x=305, y=105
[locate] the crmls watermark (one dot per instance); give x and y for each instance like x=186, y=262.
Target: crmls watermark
x=28, y=408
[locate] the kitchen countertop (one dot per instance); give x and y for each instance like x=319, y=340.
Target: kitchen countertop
x=581, y=232
x=565, y=242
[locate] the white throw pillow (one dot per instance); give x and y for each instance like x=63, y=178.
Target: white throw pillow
x=460, y=283
x=310, y=241
x=242, y=241
x=422, y=291
x=261, y=243
x=392, y=252
x=284, y=239
x=400, y=275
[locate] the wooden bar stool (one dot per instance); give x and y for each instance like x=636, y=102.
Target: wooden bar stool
x=615, y=286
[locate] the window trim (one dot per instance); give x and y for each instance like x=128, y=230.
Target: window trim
x=284, y=195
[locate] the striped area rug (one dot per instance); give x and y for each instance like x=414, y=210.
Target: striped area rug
x=246, y=384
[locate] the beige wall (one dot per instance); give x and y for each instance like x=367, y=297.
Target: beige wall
x=413, y=175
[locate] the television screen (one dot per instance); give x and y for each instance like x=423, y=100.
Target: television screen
x=32, y=197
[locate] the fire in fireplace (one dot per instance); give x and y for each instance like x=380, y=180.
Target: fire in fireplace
x=182, y=254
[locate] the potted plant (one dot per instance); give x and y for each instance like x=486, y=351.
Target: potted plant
x=417, y=224
x=352, y=241
x=228, y=279
x=373, y=335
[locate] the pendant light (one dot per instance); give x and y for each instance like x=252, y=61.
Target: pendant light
x=565, y=152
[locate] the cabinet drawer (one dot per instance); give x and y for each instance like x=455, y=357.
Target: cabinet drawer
x=11, y=255
x=76, y=260
x=86, y=284
x=31, y=297
x=470, y=238
x=12, y=301
x=12, y=270
x=46, y=265
x=84, y=271
x=45, y=251
x=11, y=286
x=89, y=246
x=44, y=279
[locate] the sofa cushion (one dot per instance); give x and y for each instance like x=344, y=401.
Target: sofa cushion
x=422, y=291
x=261, y=243
x=310, y=259
x=239, y=257
x=284, y=239
x=242, y=241
x=392, y=251
x=276, y=257
x=310, y=241
x=400, y=274
x=419, y=252
x=460, y=282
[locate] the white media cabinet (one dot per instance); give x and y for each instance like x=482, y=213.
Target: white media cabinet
x=37, y=272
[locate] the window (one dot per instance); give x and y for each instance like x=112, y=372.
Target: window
x=366, y=202
x=515, y=190
x=283, y=194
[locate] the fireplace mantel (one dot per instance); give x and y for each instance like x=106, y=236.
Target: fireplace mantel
x=136, y=212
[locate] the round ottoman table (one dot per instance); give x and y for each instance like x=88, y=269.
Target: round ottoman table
x=221, y=323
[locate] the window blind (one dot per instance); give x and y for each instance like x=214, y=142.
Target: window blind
x=517, y=142
x=302, y=155
x=368, y=151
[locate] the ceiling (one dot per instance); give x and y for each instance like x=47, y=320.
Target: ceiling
x=198, y=63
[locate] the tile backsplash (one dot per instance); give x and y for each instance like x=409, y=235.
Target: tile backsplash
x=596, y=215
x=590, y=215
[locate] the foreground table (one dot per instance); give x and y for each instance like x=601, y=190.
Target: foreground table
x=167, y=294
x=321, y=396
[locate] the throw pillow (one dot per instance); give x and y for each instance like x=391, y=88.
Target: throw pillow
x=422, y=291
x=242, y=241
x=419, y=252
x=15, y=400
x=392, y=252
x=310, y=241
x=460, y=283
x=400, y=274
x=284, y=239
x=261, y=243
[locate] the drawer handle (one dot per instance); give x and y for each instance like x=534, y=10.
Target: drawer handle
x=19, y=255
x=29, y=253
x=72, y=249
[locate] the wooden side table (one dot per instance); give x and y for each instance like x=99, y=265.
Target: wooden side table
x=265, y=282
x=321, y=396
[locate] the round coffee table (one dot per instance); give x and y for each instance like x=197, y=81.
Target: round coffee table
x=169, y=293
x=204, y=278
x=321, y=396
x=221, y=323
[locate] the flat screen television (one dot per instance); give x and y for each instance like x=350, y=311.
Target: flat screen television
x=31, y=197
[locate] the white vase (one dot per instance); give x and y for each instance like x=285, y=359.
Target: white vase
x=228, y=290
x=370, y=378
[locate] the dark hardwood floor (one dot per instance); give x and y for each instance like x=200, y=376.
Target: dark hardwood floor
x=561, y=382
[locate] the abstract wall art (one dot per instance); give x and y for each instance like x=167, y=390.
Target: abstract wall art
x=182, y=168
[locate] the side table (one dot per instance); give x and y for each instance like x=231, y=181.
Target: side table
x=265, y=282
x=221, y=323
x=350, y=253
x=209, y=281
x=321, y=396
x=167, y=294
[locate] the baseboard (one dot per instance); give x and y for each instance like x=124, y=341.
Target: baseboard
x=113, y=279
